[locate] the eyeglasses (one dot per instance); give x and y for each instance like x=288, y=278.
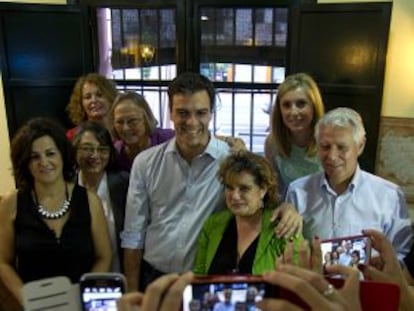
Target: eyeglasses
x=130, y=122
x=89, y=149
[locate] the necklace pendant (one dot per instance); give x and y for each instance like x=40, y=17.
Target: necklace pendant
x=54, y=215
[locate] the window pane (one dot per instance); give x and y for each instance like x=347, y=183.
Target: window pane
x=281, y=27
x=244, y=27
x=244, y=114
x=263, y=27
x=137, y=44
x=262, y=74
x=243, y=73
x=234, y=39
x=167, y=28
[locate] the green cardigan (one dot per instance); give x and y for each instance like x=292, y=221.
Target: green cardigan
x=268, y=249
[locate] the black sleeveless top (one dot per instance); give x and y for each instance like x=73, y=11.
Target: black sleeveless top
x=39, y=254
x=226, y=260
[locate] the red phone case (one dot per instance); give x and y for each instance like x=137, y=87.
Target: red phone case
x=375, y=295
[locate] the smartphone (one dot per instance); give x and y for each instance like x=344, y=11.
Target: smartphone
x=347, y=251
x=232, y=292
x=100, y=291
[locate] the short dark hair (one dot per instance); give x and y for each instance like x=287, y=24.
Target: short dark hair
x=21, y=149
x=101, y=133
x=190, y=83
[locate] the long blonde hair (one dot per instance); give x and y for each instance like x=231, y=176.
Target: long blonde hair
x=280, y=134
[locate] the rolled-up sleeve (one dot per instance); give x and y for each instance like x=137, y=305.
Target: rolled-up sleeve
x=137, y=207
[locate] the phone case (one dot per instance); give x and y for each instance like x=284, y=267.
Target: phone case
x=375, y=295
x=101, y=290
x=102, y=275
x=55, y=293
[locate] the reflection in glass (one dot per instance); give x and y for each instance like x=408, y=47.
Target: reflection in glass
x=239, y=43
x=137, y=44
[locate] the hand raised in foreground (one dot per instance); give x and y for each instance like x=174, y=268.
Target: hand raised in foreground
x=314, y=289
x=309, y=257
x=387, y=268
x=164, y=294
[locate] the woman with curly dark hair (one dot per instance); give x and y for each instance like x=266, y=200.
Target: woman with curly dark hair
x=91, y=100
x=49, y=226
x=241, y=238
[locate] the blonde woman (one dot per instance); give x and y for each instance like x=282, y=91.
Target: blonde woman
x=290, y=147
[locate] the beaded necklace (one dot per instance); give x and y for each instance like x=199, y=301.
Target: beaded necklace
x=53, y=215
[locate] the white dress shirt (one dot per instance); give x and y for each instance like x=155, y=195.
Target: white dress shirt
x=370, y=202
x=169, y=200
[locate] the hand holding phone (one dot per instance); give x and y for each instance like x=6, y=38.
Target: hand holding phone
x=100, y=291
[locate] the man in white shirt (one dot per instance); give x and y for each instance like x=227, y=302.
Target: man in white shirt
x=343, y=200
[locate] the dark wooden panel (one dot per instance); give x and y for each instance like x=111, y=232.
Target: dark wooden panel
x=341, y=47
x=44, y=45
x=43, y=50
x=32, y=102
x=362, y=103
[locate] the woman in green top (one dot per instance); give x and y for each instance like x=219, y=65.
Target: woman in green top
x=241, y=238
x=291, y=147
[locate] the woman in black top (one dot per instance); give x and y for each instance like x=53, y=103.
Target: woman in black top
x=49, y=226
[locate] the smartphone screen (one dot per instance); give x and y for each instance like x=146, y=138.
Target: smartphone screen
x=224, y=296
x=101, y=293
x=346, y=251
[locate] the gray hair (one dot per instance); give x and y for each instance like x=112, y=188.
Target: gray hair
x=343, y=117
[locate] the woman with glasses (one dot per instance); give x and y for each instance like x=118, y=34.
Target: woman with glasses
x=95, y=157
x=50, y=226
x=135, y=128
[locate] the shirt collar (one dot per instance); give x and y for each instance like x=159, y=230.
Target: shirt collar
x=324, y=184
x=214, y=147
